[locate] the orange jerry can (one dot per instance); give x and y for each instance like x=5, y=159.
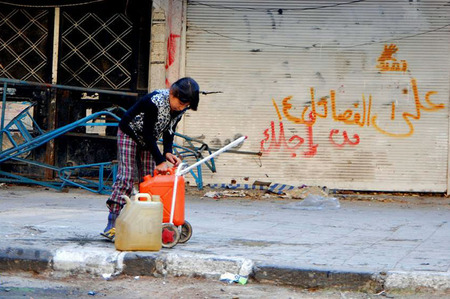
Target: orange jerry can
x=163, y=185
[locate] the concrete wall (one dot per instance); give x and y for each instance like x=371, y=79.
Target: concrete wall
x=167, y=43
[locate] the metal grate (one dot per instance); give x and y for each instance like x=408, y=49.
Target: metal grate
x=23, y=41
x=96, y=51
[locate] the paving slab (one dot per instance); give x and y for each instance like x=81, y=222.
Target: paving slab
x=371, y=244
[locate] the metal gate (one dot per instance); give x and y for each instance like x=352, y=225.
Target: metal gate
x=96, y=45
x=96, y=51
x=93, y=44
x=24, y=43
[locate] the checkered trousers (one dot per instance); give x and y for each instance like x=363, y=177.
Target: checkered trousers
x=131, y=158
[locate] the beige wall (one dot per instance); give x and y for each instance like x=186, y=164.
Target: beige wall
x=167, y=43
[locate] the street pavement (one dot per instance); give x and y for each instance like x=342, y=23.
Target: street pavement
x=371, y=244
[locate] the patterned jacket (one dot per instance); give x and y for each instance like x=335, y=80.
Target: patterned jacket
x=148, y=120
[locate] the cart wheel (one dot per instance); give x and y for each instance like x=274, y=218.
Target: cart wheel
x=185, y=232
x=170, y=235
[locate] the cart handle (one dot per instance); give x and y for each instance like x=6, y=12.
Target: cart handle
x=181, y=171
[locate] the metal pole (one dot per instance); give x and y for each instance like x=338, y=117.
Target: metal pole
x=51, y=111
x=3, y=114
x=55, y=46
x=174, y=194
x=232, y=144
x=67, y=87
x=181, y=172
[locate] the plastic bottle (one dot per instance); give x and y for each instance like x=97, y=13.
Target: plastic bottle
x=139, y=225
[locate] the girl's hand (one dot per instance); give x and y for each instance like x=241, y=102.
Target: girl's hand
x=162, y=168
x=173, y=159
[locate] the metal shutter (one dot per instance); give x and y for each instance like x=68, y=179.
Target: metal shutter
x=365, y=87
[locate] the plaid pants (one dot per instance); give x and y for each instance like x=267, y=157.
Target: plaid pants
x=127, y=153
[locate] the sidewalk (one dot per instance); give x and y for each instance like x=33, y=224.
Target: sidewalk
x=369, y=245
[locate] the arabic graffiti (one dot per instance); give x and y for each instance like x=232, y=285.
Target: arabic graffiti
x=388, y=63
x=345, y=136
x=406, y=116
x=281, y=143
x=362, y=118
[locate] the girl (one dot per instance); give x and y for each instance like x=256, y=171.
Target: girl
x=154, y=116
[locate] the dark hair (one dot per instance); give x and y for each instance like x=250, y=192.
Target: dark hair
x=187, y=90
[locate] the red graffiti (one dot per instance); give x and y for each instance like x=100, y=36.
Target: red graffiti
x=281, y=142
x=312, y=147
x=171, y=52
x=345, y=136
x=270, y=142
x=171, y=49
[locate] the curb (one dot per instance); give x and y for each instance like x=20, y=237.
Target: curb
x=320, y=278
x=107, y=262
x=25, y=259
x=439, y=281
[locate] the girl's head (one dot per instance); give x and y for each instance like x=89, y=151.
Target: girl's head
x=184, y=94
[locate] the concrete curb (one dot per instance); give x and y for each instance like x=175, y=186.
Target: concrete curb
x=25, y=259
x=87, y=259
x=439, y=281
x=311, y=278
x=106, y=262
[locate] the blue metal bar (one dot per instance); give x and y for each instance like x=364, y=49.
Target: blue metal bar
x=36, y=163
x=10, y=137
x=65, y=173
x=100, y=178
x=22, y=179
x=35, y=124
x=42, y=139
x=200, y=176
x=23, y=130
x=58, y=86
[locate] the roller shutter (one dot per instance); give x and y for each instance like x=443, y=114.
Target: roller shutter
x=343, y=94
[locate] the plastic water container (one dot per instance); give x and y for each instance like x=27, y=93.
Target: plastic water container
x=139, y=225
x=162, y=185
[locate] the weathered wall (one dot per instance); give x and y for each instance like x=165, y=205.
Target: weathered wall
x=166, y=43
x=351, y=95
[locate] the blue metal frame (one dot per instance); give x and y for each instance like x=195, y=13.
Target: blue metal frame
x=196, y=152
x=65, y=173
x=99, y=186
x=17, y=126
x=31, y=143
x=38, y=137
